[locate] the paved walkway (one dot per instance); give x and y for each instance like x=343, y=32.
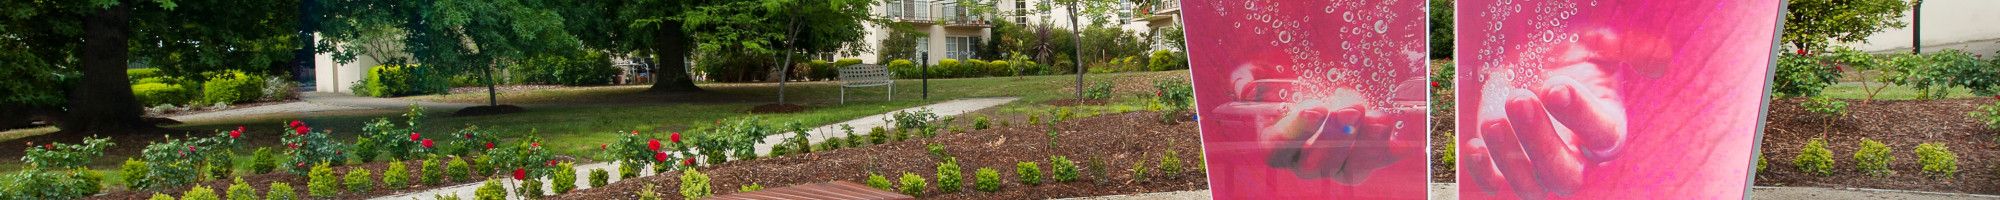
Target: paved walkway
x=948, y=108
x=315, y=102
x=1449, y=191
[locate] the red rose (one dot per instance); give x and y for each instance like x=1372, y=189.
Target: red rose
x=1802, y=52
x=535, y=145
x=468, y=136
x=653, y=145
x=190, y=147
x=292, y=145
x=489, y=145
x=1838, y=68
x=552, y=162
x=603, y=146
x=427, y=143
x=1434, y=83
x=676, y=137
x=301, y=164
x=49, y=146
x=302, y=130
x=520, y=174
x=660, y=156
x=297, y=123
x=688, y=162
x=635, y=132
x=414, y=136
x=235, y=134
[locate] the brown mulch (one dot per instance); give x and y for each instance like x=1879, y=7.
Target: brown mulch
x=1900, y=124
x=487, y=110
x=1442, y=124
x=262, y=183
x=1077, y=102
x=777, y=108
x=1118, y=140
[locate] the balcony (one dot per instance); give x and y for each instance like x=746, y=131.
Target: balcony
x=1155, y=10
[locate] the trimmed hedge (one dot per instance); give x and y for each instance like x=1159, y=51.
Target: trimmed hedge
x=232, y=87
x=591, y=69
x=904, y=69
x=1164, y=60
x=397, y=80
x=151, y=94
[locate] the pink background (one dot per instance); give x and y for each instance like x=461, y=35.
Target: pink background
x=1692, y=120
x=1301, y=40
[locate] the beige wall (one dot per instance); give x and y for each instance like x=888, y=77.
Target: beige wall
x=1969, y=25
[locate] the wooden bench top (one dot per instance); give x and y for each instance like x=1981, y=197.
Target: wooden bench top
x=827, y=190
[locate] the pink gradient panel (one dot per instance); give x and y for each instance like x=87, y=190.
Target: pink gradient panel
x=1610, y=99
x=1311, y=99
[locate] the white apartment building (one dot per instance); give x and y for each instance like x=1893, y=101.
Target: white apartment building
x=953, y=31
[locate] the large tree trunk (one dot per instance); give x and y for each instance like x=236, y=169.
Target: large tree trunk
x=102, y=102
x=672, y=51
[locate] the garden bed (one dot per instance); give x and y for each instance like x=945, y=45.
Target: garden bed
x=1118, y=140
x=262, y=182
x=1902, y=125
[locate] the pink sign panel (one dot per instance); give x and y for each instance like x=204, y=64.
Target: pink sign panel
x=1611, y=99
x=1311, y=99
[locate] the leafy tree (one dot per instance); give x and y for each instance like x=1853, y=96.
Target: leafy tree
x=1441, y=29
x=454, y=35
x=784, y=27
x=1812, y=24
x=76, y=52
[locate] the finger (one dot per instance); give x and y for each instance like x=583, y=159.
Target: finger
x=1510, y=160
x=1326, y=152
x=1558, y=167
x=1287, y=136
x=1475, y=166
x=1371, y=147
x=1595, y=119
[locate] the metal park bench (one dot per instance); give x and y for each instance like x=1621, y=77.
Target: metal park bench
x=865, y=75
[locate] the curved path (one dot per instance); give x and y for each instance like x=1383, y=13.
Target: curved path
x=947, y=108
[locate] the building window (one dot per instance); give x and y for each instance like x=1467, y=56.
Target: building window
x=962, y=47
x=923, y=50
x=1020, y=11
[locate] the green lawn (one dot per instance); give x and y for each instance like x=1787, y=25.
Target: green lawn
x=573, y=121
x=1855, y=90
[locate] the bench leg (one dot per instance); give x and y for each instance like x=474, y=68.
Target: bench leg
x=843, y=95
x=892, y=91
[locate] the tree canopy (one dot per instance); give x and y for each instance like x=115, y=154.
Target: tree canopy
x=1812, y=24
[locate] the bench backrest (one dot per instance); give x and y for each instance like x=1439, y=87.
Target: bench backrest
x=864, y=75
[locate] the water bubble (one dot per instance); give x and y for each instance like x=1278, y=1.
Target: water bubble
x=1348, y=16
x=1285, y=37
x=1381, y=27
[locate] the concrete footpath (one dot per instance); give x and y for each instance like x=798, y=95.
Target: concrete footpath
x=1449, y=191
x=944, y=109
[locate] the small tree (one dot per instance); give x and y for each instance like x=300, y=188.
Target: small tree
x=1812, y=24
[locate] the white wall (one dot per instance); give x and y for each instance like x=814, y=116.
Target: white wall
x=1969, y=25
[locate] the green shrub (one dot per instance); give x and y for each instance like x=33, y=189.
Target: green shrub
x=913, y=185
x=973, y=68
x=242, y=191
x=431, y=174
x=161, y=196
x=1800, y=76
x=647, y=193
x=945, y=68
x=1936, y=160
x=360, y=180
x=599, y=178
x=1825, y=106
x=817, y=69
x=444, y=197
x=1761, y=163
x=1170, y=163
x=752, y=187
x=948, y=175
x=531, y=189
x=281, y=191
x=904, y=69
x=232, y=87
x=1139, y=171
x=492, y=190
x=200, y=193
x=396, y=176
x=981, y=123
x=458, y=169
x=1174, y=95
x=937, y=150
x=878, y=135
x=694, y=185
x=280, y=87
x=1062, y=169
x=483, y=165
x=877, y=181
x=1099, y=90
x=999, y=68
x=1164, y=60
x=135, y=173
x=1815, y=158
x=1988, y=114
x=151, y=94
x=320, y=182
x=141, y=73
x=1028, y=173
x=986, y=180
x=564, y=179
x=263, y=161
x=629, y=169
x=365, y=149
x=393, y=80
x=1873, y=157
